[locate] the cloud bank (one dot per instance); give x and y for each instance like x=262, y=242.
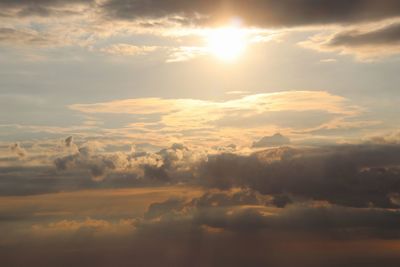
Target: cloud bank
x=186, y=204
x=364, y=175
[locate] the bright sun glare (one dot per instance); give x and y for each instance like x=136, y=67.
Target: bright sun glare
x=226, y=43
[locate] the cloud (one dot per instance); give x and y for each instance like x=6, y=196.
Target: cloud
x=185, y=53
x=68, y=141
x=219, y=123
x=59, y=205
x=315, y=108
x=212, y=199
x=343, y=175
x=328, y=60
x=242, y=211
x=18, y=150
x=128, y=50
x=274, y=140
x=179, y=224
x=392, y=138
x=130, y=106
x=364, y=175
x=350, y=175
x=88, y=228
x=366, y=43
x=266, y=13
x=211, y=237
x=167, y=165
x=384, y=36
x=25, y=37
x=48, y=23
x=88, y=23
x=42, y=8
x=86, y=158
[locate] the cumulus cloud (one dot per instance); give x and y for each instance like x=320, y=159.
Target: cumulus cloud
x=350, y=175
x=344, y=175
x=97, y=164
x=365, y=175
x=167, y=165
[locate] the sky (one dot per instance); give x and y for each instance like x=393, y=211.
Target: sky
x=200, y=133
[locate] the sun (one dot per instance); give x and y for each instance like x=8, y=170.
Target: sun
x=226, y=43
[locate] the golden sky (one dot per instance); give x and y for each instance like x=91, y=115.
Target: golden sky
x=199, y=133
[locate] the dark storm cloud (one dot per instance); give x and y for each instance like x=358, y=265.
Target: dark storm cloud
x=268, y=13
x=389, y=35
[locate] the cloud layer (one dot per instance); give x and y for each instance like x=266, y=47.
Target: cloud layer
x=62, y=22
x=290, y=111
x=200, y=230
x=257, y=12
x=81, y=201
x=364, y=175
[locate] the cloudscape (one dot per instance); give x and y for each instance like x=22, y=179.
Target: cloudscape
x=199, y=133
